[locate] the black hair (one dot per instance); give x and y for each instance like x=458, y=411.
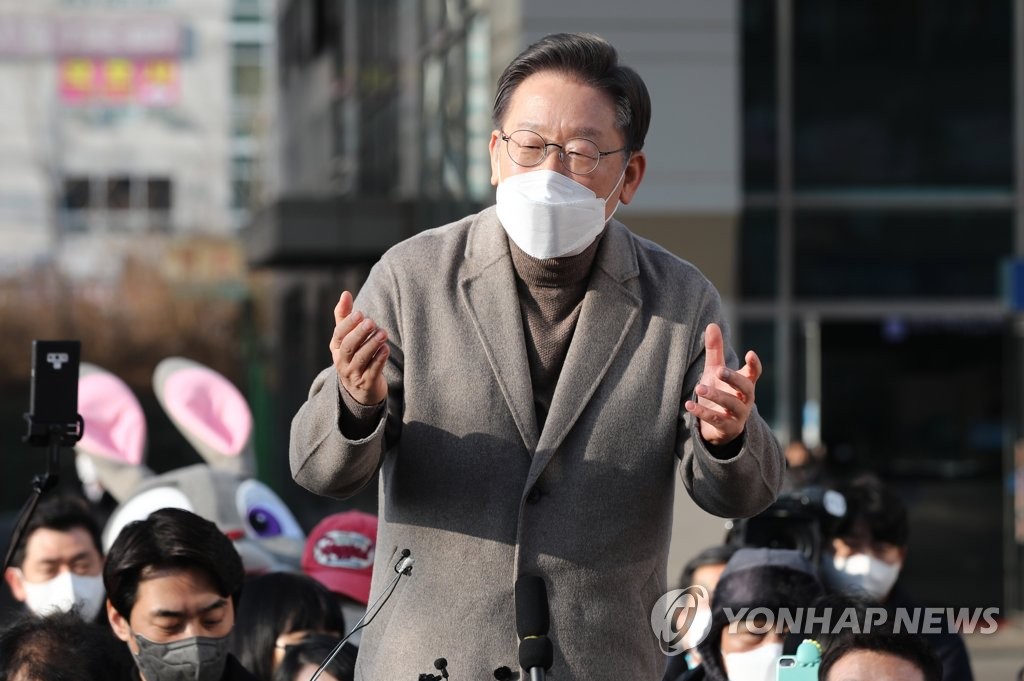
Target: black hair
x=712, y=555
x=61, y=647
x=828, y=636
x=314, y=649
x=170, y=538
x=773, y=587
x=63, y=514
x=594, y=62
x=275, y=604
x=883, y=513
x=909, y=647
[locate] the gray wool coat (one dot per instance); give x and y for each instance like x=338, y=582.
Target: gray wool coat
x=480, y=496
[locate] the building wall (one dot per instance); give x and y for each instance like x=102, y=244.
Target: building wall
x=48, y=135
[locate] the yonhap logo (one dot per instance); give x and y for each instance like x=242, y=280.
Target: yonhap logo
x=674, y=614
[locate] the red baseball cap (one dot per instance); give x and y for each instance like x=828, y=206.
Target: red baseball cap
x=339, y=553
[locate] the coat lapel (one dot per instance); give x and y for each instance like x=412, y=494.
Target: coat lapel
x=487, y=288
x=610, y=309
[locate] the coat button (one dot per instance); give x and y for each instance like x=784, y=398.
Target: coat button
x=534, y=495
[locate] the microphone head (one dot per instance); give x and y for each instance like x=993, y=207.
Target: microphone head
x=405, y=553
x=536, y=652
x=440, y=663
x=532, y=617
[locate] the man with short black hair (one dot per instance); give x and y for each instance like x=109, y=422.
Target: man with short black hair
x=880, y=657
x=524, y=382
x=60, y=646
x=173, y=581
x=58, y=563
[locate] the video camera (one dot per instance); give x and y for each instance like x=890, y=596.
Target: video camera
x=800, y=520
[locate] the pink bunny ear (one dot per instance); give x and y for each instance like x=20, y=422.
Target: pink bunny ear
x=209, y=411
x=115, y=425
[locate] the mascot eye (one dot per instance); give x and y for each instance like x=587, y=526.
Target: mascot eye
x=263, y=522
x=264, y=514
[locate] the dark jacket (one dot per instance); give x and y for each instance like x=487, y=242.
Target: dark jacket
x=947, y=645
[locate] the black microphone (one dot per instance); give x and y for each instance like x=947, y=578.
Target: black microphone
x=536, y=654
x=441, y=665
x=404, y=565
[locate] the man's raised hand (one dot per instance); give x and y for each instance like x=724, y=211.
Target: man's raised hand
x=360, y=349
x=724, y=396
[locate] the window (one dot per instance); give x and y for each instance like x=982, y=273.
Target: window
x=900, y=94
x=903, y=254
x=76, y=193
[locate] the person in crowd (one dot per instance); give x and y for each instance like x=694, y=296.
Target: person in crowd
x=173, y=582
x=523, y=380
x=753, y=579
x=276, y=611
x=60, y=647
x=880, y=657
x=804, y=466
x=703, y=570
x=339, y=554
x=303, y=658
x=867, y=553
x=58, y=564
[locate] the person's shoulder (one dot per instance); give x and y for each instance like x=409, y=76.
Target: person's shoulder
x=234, y=671
x=434, y=242
x=664, y=269
x=655, y=260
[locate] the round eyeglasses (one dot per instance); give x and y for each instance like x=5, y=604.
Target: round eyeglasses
x=579, y=156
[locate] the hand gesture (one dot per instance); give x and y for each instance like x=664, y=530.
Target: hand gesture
x=724, y=396
x=359, y=349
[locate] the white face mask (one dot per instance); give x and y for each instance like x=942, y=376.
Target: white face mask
x=753, y=665
x=862, y=573
x=698, y=628
x=549, y=215
x=62, y=593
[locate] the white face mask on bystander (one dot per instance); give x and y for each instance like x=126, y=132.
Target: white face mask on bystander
x=549, y=215
x=757, y=664
x=64, y=592
x=862, y=573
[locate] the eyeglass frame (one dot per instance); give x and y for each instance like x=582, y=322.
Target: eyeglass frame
x=561, y=151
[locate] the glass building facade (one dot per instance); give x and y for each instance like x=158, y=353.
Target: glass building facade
x=882, y=213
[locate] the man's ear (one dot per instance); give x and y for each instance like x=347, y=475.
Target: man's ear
x=635, y=169
x=118, y=623
x=13, y=578
x=493, y=147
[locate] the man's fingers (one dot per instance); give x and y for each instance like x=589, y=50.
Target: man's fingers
x=363, y=357
x=752, y=369
x=714, y=346
x=351, y=333
x=721, y=400
x=343, y=308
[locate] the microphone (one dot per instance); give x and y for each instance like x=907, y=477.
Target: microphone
x=441, y=665
x=536, y=654
x=404, y=566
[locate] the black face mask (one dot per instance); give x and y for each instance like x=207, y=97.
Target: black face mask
x=199, y=658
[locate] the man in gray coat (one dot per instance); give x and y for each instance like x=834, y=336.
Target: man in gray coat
x=523, y=382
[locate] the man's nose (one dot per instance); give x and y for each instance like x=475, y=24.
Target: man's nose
x=552, y=162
